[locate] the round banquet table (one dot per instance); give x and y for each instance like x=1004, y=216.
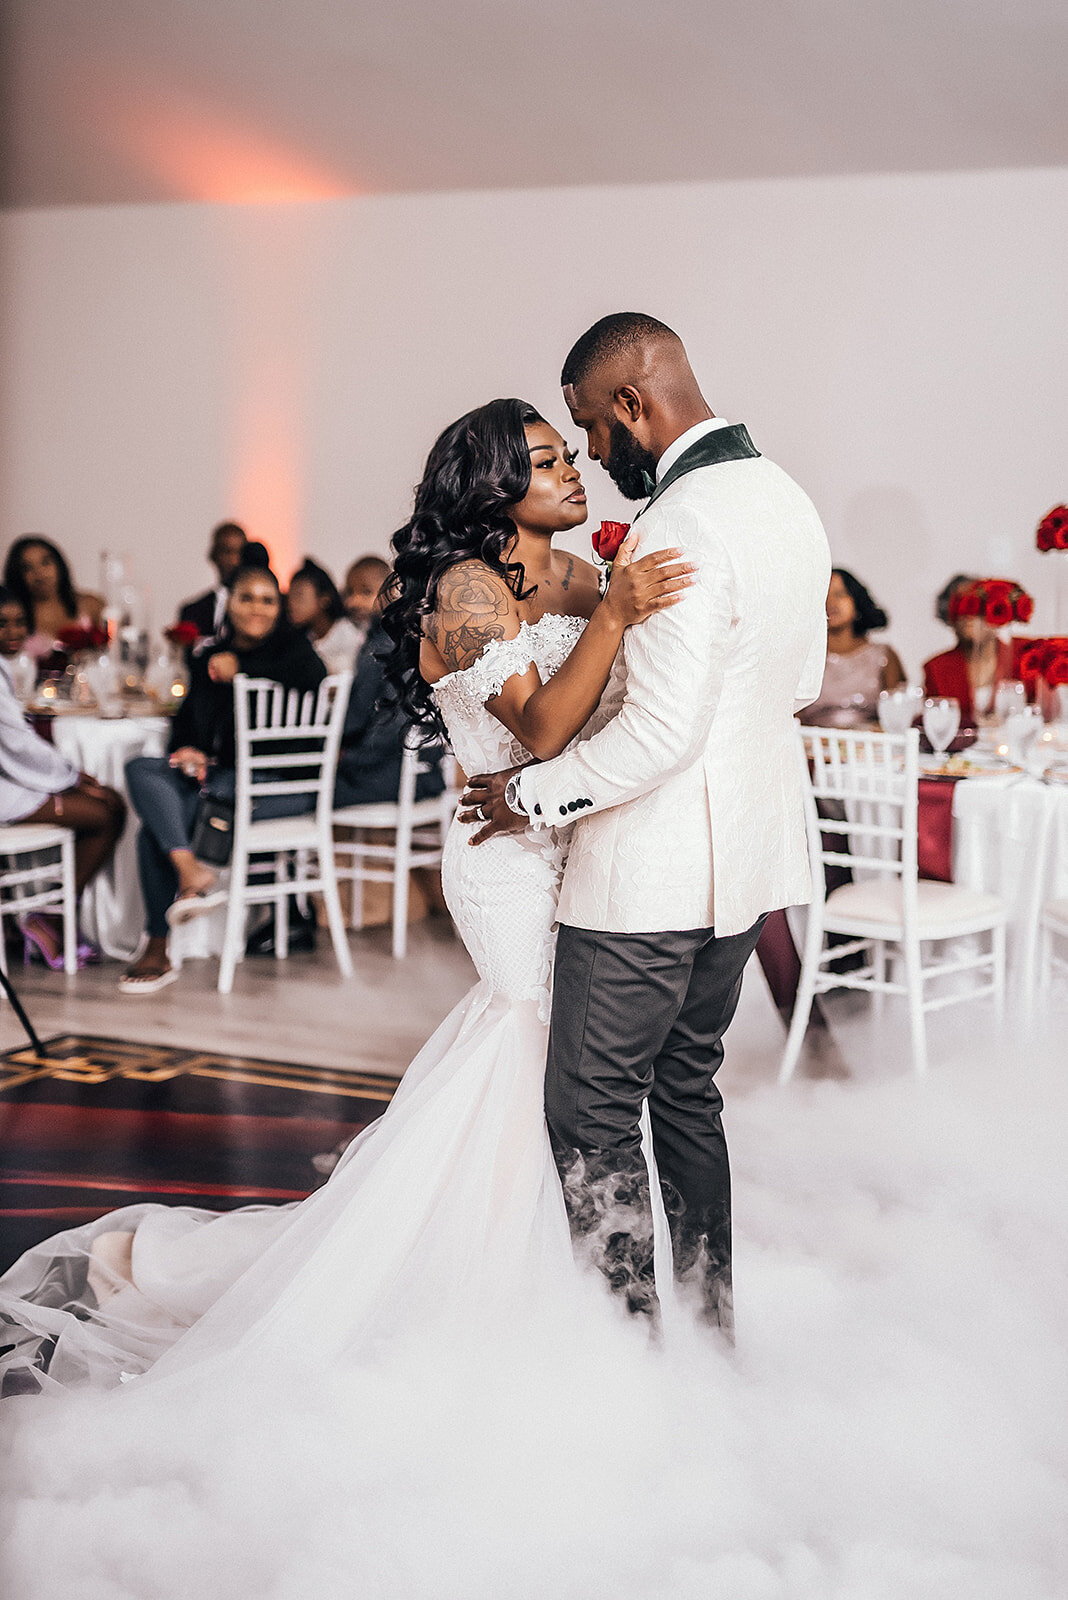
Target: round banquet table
x=1004, y=836
x=111, y=912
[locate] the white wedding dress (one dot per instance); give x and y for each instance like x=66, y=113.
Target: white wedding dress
x=402, y=1388
x=448, y=1205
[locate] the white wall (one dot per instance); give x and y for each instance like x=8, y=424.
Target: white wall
x=899, y=344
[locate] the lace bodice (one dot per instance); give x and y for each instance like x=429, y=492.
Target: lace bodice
x=479, y=742
x=503, y=894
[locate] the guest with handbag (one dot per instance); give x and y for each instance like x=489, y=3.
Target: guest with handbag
x=198, y=777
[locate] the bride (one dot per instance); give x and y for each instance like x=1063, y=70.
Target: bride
x=450, y=1204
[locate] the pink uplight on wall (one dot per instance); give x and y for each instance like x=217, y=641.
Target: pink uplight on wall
x=199, y=154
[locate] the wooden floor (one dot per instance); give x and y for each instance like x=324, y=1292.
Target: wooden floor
x=302, y=1011
x=299, y=1010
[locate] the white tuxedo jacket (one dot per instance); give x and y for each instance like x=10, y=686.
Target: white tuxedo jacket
x=685, y=793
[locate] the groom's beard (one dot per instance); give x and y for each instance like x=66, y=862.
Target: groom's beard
x=630, y=466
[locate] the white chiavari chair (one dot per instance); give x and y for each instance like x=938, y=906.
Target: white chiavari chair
x=866, y=786
x=1052, y=942
x=418, y=828
x=39, y=885
x=281, y=731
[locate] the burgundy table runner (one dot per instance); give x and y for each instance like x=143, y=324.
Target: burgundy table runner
x=935, y=828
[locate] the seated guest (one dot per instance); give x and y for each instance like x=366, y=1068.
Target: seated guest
x=14, y=625
x=372, y=743
x=363, y=590
x=226, y=552
x=36, y=573
x=257, y=639
x=315, y=606
x=38, y=785
x=857, y=668
x=972, y=670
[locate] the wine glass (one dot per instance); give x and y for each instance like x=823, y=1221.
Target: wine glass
x=941, y=719
x=1009, y=697
x=895, y=710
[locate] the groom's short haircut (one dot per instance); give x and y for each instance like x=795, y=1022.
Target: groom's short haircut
x=613, y=336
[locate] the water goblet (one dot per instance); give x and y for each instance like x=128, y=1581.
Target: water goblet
x=1008, y=698
x=941, y=719
x=1022, y=730
x=895, y=711
x=23, y=669
x=983, y=701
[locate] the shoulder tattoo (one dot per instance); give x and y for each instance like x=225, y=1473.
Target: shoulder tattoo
x=473, y=607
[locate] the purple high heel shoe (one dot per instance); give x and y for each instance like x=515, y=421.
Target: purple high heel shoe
x=34, y=940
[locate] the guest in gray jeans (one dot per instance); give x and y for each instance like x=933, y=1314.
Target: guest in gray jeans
x=165, y=790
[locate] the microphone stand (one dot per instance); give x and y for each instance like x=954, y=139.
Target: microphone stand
x=5, y=981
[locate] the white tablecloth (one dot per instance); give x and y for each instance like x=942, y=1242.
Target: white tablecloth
x=1012, y=840
x=111, y=912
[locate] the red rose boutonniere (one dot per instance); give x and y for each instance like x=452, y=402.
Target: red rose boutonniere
x=1052, y=531
x=606, y=542
x=608, y=538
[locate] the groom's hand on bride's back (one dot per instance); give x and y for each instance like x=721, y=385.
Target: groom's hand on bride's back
x=484, y=801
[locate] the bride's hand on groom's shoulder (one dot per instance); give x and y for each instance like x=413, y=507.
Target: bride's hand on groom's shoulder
x=484, y=801
x=646, y=584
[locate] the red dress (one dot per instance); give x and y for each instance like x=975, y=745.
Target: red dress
x=946, y=677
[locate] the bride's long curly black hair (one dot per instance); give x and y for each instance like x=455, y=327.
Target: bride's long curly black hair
x=478, y=468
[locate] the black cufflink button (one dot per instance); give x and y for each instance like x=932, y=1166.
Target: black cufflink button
x=537, y=811
x=563, y=811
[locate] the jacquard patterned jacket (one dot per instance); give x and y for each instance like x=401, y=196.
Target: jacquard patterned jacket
x=685, y=798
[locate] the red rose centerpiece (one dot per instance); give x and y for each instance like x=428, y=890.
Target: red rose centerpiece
x=1052, y=534
x=1045, y=660
x=995, y=601
x=1043, y=667
x=606, y=542
x=1052, y=531
x=183, y=635
x=76, y=639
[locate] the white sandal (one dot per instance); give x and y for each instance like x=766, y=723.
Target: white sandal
x=147, y=983
x=194, y=905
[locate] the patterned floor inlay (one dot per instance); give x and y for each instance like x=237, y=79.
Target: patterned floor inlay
x=89, y=1124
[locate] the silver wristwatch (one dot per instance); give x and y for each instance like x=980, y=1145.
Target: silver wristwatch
x=512, y=797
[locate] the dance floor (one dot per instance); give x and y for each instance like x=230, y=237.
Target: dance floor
x=92, y=1124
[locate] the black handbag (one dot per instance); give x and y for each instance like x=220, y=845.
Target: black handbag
x=213, y=831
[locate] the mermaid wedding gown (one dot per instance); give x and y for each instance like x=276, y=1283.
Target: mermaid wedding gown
x=448, y=1205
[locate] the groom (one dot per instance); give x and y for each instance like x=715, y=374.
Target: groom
x=685, y=808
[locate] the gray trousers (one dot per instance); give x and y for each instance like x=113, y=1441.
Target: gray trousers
x=636, y=1017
